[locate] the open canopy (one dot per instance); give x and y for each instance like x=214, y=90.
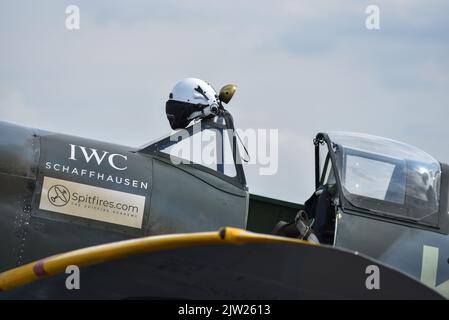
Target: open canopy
x=385, y=175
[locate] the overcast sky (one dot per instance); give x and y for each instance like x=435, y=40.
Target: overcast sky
x=301, y=67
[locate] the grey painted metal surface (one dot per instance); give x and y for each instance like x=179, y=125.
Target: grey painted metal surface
x=48, y=180
x=182, y=204
x=41, y=170
x=265, y=212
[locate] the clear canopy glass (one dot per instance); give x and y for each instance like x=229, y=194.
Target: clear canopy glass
x=386, y=175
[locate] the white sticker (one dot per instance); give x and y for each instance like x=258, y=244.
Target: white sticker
x=90, y=202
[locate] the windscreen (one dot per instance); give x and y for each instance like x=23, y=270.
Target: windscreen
x=388, y=176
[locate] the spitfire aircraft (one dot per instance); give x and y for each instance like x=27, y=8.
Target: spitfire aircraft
x=59, y=193
x=385, y=199
x=376, y=201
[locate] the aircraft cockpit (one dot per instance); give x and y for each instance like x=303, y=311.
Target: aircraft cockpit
x=376, y=177
x=383, y=175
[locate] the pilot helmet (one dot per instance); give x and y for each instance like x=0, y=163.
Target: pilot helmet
x=190, y=99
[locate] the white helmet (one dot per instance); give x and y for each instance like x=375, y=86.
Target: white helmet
x=190, y=99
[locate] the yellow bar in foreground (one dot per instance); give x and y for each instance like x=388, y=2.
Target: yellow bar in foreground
x=117, y=250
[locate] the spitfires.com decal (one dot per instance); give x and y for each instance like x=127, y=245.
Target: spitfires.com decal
x=94, y=180
x=91, y=202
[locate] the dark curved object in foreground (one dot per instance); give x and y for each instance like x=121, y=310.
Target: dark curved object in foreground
x=229, y=271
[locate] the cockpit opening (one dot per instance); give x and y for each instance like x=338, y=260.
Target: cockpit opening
x=369, y=175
